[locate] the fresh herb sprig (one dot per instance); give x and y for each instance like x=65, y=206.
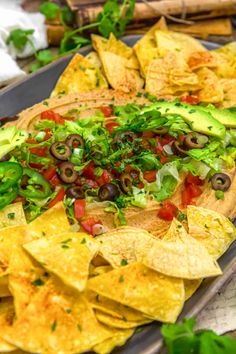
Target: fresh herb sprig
x=112, y=19
x=183, y=339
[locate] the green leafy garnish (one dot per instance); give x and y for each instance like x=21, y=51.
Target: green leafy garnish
x=181, y=338
x=50, y=10
x=20, y=37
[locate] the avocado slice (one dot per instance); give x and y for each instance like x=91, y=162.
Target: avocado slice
x=17, y=140
x=7, y=134
x=224, y=116
x=198, y=119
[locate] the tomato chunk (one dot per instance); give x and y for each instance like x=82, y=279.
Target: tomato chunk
x=55, y=117
x=111, y=126
x=41, y=151
x=50, y=173
x=190, y=179
x=150, y=176
x=88, y=224
x=88, y=171
x=168, y=211
x=190, y=99
x=104, y=178
x=79, y=208
x=58, y=198
x=106, y=110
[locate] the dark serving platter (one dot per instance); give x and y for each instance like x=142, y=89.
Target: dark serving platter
x=38, y=86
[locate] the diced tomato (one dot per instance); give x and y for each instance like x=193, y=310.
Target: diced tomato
x=55, y=117
x=55, y=181
x=35, y=165
x=88, y=171
x=88, y=224
x=58, y=198
x=19, y=199
x=167, y=139
x=189, y=99
x=79, y=208
x=194, y=190
x=86, y=183
x=48, y=134
x=148, y=134
x=41, y=151
x=145, y=144
x=106, y=110
x=150, y=176
x=104, y=178
x=168, y=211
x=186, y=198
x=190, y=179
x=112, y=125
x=50, y=173
x=140, y=185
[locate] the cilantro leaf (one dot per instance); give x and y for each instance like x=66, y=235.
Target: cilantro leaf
x=182, y=339
x=19, y=37
x=67, y=16
x=50, y=10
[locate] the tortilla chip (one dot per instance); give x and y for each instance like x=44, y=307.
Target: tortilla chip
x=118, y=74
x=183, y=257
x=94, y=59
x=211, y=88
x=191, y=286
x=118, y=339
x=170, y=74
x=56, y=321
x=4, y=281
x=26, y=276
x=202, y=59
x=182, y=44
x=12, y=215
x=10, y=237
x=146, y=47
x=79, y=76
x=136, y=286
x=94, y=271
x=6, y=319
x=118, y=246
x=210, y=228
x=111, y=321
x=67, y=255
x=113, y=45
x=53, y=222
x=226, y=57
x=228, y=86
x=113, y=308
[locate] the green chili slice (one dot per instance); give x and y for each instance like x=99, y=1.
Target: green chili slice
x=8, y=197
x=10, y=173
x=34, y=185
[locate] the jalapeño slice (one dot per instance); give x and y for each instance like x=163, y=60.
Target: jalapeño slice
x=8, y=196
x=10, y=173
x=34, y=185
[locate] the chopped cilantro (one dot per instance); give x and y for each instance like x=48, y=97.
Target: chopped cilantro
x=38, y=282
x=65, y=246
x=67, y=240
x=219, y=195
x=83, y=241
x=54, y=326
x=79, y=327
x=11, y=216
x=121, y=279
x=123, y=262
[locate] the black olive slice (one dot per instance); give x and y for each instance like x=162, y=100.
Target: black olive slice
x=195, y=141
x=67, y=172
x=125, y=182
x=108, y=191
x=60, y=151
x=220, y=182
x=5, y=158
x=125, y=137
x=160, y=131
x=75, y=193
x=74, y=141
x=178, y=148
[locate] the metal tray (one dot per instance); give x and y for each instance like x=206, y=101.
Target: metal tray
x=37, y=87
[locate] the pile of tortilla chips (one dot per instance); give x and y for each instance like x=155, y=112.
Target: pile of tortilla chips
x=66, y=292
x=164, y=63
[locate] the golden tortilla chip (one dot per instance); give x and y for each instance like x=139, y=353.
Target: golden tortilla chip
x=56, y=321
x=226, y=57
x=6, y=319
x=118, y=339
x=4, y=289
x=136, y=286
x=115, y=322
x=26, y=277
x=10, y=237
x=94, y=59
x=170, y=74
x=12, y=215
x=53, y=222
x=210, y=228
x=228, y=86
x=113, y=308
x=191, y=286
x=118, y=246
x=202, y=59
x=146, y=47
x=113, y=45
x=212, y=90
x=182, y=44
x=183, y=257
x=67, y=255
x=79, y=76
x=94, y=271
